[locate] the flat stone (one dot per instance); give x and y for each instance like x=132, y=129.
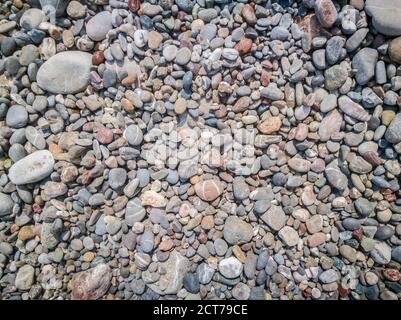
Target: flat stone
x=299, y=165
x=393, y=132
x=353, y=109
x=275, y=218
x=66, y=72
x=330, y=125
x=270, y=125
x=385, y=16
x=99, y=25
x=365, y=62
x=32, y=168
x=336, y=178
x=17, y=117
x=381, y=253
x=289, y=236
x=6, y=204
x=134, y=135
x=171, y=282
x=32, y=18
x=209, y=190
x=237, y=231
x=91, y=284
x=230, y=267
x=25, y=277
x=325, y=12
x=153, y=199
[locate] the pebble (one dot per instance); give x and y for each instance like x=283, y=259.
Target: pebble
x=91, y=284
x=6, y=204
x=237, y=231
x=25, y=277
x=230, y=267
x=99, y=25
x=209, y=190
x=17, y=117
x=326, y=12
x=32, y=168
x=71, y=69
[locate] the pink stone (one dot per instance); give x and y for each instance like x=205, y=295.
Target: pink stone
x=330, y=125
x=301, y=132
x=316, y=239
x=54, y=189
x=91, y=284
x=104, y=135
x=326, y=13
x=209, y=190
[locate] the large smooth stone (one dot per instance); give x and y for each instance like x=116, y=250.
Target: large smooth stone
x=91, y=284
x=209, y=190
x=98, y=26
x=386, y=16
x=365, y=62
x=171, y=282
x=66, y=72
x=353, y=109
x=32, y=168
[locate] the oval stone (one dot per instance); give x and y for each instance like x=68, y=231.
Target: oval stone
x=91, y=284
x=32, y=168
x=65, y=72
x=209, y=190
x=98, y=27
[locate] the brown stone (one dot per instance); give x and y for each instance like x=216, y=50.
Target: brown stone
x=54, y=189
x=301, y=132
x=127, y=105
x=316, y=239
x=244, y=45
x=166, y=245
x=209, y=190
x=394, y=50
x=134, y=5
x=331, y=124
x=153, y=199
x=299, y=165
x=91, y=284
x=26, y=233
x=88, y=256
x=343, y=292
x=249, y=14
x=97, y=57
x=154, y=40
x=270, y=125
x=207, y=222
x=104, y=135
x=69, y=174
x=392, y=274
x=373, y=158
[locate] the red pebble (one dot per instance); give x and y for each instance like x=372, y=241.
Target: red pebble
x=97, y=57
x=134, y=5
x=104, y=135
